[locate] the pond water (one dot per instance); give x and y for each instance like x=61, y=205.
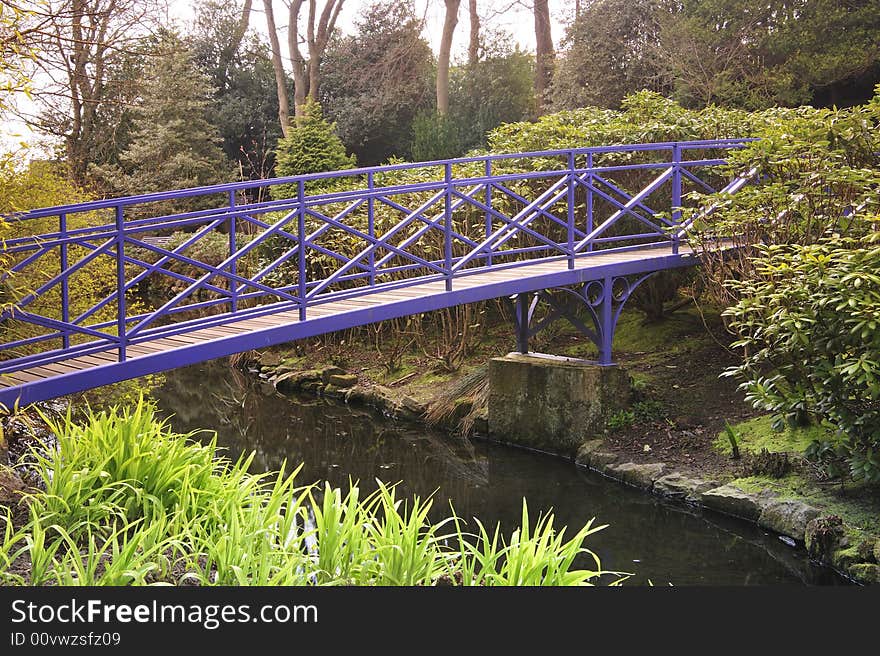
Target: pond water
x=657, y=540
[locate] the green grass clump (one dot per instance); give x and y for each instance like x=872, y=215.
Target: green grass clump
x=756, y=434
x=130, y=502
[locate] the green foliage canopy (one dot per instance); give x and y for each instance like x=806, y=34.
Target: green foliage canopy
x=808, y=322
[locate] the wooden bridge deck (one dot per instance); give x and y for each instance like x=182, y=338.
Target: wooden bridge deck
x=235, y=335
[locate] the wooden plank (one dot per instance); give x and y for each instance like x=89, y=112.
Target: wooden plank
x=184, y=339
x=267, y=321
x=146, y=348
x=211, y=333
x=45, y=373
x=11, y=380
x=97, y=359
x=229, y=329
x=371, y=300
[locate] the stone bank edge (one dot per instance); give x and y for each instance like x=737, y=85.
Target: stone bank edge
x=824, y=536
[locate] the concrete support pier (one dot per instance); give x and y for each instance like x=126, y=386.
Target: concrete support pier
x=553, y=403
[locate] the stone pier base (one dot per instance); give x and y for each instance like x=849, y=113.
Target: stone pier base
x=552, y=403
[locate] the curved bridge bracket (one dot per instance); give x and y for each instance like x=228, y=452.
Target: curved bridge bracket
x=601, y=300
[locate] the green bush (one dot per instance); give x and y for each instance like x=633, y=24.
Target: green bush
x=808, y=322
x=437, y=136
x=311, y=146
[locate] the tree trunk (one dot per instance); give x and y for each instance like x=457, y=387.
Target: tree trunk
x=240, y=29
x=307, y=74
x=474, y=42
x=544, y=54
x=280, y=77
x=300, y=79
x=449, y=23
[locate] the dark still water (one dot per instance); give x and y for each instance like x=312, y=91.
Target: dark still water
x=657, y=540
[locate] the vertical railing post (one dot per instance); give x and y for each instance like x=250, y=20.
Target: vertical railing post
x=607, y=320
x=65, y=284
x=522, y=323
x=488, y=211
x=301, y=238
x=589, y=198
x=447, y=227
x=233, y=267
x=120, y=281
x=676, y=193
x=571, y=210
x=371, y=226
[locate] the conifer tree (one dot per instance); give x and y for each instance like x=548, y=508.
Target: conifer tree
x=174, y=144
x=311, y=146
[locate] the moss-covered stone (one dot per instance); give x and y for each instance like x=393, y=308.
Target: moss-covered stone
x=294, y=380
x=641, y=476
x=342, y=380
x=733, y=501
x=824, y=536
x=679, y=486
x=552, y=403
x=585, y=452
x=601, y=460
x=787, y=517
x=414, y=406
x=328, y=372
x=333, y=391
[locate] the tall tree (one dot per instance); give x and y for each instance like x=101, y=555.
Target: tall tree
x=498, y=88
x=450, y=20
x=474, y=40
x=174, y=145
x=319, y=27
x=278, y=69
x=245, y=106
x=779, y=52
x=80, y=42
x=609, y=51
x=544, y=51
x=377, y=81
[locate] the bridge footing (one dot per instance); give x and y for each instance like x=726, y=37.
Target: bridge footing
x=552, y=403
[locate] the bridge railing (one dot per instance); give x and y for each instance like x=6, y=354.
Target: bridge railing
x=106, y=275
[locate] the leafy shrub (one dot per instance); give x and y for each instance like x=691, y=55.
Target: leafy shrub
x=648, y=410
x=817, y=176
x=808, y=325
x=436, y=136
x=311, y=146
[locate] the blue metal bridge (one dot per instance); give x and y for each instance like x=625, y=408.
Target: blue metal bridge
x=103, y=291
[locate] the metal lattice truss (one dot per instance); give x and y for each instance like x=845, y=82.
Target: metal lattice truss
x=117, y=273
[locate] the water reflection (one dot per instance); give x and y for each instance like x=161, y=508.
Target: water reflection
x=661, y=541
